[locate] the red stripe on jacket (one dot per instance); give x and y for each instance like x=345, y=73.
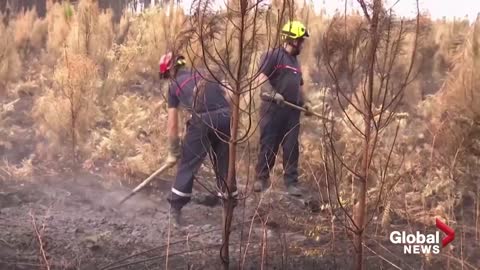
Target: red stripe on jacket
x=288, y=67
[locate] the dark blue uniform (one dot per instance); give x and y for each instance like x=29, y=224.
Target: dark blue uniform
x=280, y=125
x=210, y=120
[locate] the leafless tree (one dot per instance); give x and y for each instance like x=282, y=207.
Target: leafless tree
x=370, y=91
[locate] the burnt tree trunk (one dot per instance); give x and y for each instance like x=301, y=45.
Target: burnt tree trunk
x=361, y=206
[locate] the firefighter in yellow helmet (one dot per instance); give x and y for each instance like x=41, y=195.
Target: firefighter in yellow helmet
x=281, y=80
x=294, y=33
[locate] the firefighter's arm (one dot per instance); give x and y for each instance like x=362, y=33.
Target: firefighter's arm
x=173, y=136
x=174, y=149
x=172, y=123
x=267, y=92
x=267, y=68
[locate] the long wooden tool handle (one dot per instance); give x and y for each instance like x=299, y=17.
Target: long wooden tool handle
x=300, y=108
x=146, y=181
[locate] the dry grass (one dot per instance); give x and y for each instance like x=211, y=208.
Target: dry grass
x=59, y=17
x=5, y=109
x=453, y=119
x=23, y=28
x=30, y=32
x=91, y=31
x=134, y=137
x=21, y=172
x=65, y=115
x=10, y=63
x=153, y=33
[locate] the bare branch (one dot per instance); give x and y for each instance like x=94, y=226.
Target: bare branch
x=364, y=9
x=40, y=242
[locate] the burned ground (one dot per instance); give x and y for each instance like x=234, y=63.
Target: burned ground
x=83, y=227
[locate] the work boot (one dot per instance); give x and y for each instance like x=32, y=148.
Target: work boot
x=293, y=190
x=177, y=219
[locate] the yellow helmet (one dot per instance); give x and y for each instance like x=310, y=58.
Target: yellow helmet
x=294, y=30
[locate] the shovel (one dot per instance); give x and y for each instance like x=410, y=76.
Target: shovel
x=146, y=181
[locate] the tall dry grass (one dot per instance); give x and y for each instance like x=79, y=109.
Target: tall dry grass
x=452, y=116
x=91, y=31
x=135, y=138
x=30, y=32
x=154, y=32
x=59, y=17
x=10, y=62
x=65, y=115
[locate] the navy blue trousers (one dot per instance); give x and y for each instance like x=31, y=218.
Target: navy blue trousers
x=207, y=134
x=279, y=126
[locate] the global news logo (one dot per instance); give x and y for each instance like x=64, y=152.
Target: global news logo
x=420, y=243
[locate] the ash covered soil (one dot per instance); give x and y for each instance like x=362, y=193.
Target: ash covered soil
x=82, y=227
